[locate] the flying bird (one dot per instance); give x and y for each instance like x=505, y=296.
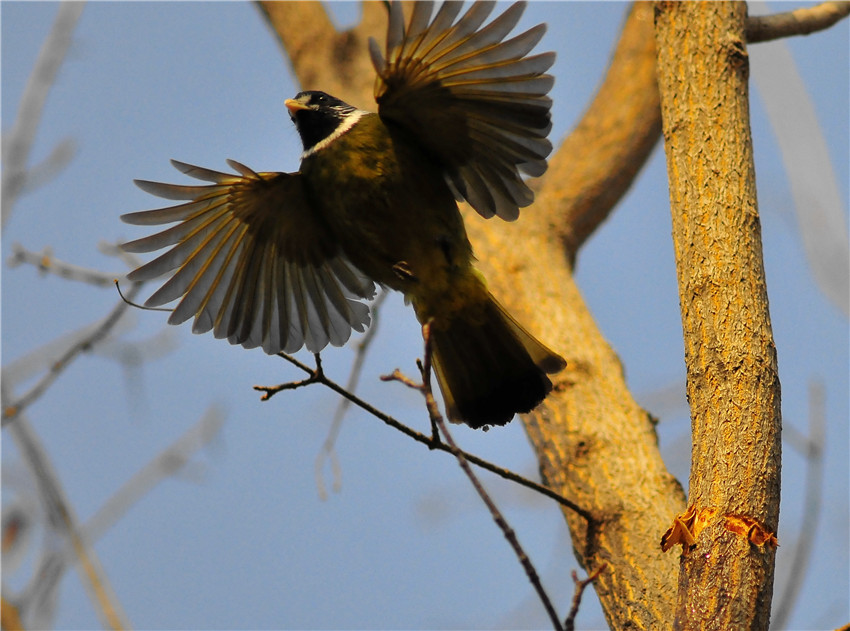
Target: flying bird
x=286, y=260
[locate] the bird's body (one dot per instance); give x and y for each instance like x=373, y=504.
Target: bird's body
x=282, y=260
x=370, y=182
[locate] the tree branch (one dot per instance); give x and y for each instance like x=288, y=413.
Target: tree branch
x=321, y=57
x=439, y=424
x=581, y=585
x=730, y=356
x=18, y=143
x=317, y=375
x=595, y=445
x=63, y=519
x=47, y=263
x=764, y=28
x=13, y=408
x=597, y=162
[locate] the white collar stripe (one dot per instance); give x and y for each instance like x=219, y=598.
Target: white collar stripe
x=346, y=125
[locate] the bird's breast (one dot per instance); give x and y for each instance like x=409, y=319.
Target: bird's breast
x=389, y=206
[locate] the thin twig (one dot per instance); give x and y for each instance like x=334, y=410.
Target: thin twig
x=570, y=622
x=49, y=264
x=430, y=402
x=318, y=376
x=18, y=143
x=13, y=409
x=804, y=21
x=438, y=422
x=136, y=305
x=62, y=517
x=328, y=452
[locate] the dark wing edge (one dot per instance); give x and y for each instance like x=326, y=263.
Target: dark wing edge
x=253, y=264
x=477, y=102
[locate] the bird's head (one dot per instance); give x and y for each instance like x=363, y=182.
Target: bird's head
x=320, y=118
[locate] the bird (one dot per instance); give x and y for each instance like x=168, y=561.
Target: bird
x=283, y=261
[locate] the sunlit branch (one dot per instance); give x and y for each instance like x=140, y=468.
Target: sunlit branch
x=317, y=375
x=570, y=622
x=764, y=28
x=438, y=424
x=328, y=452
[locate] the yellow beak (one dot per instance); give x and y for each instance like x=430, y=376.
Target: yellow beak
x=293, y=106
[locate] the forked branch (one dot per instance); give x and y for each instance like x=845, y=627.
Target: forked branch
x=317, y=375
x=438, y=424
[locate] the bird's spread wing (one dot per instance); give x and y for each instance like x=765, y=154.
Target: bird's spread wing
x=253, y=263
x=475, y=101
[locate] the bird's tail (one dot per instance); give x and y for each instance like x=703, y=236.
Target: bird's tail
x=488, y=366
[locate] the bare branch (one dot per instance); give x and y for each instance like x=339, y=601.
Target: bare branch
x=527, y=269
x=601, y=157
x=424, y=366
x=500, y=520
x=591, y=416
x=62, y=518
x=804, y=21
x=18, y=143
x=313, y=46
x=13, y=408
x=732, y=375
x=328, y=452
x=438, y=422
x=570, y=623
x=318, y=376
x=48, y=264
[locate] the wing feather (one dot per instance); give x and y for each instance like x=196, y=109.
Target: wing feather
x=253, y=263
x=474, y=100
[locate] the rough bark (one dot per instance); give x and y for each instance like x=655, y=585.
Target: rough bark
x=726, y=580
x=594, y=443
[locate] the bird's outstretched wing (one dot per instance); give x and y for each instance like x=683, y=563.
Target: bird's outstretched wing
x=475, y=101
x=254, y=264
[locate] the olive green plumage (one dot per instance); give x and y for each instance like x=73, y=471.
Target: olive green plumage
x=282, y=261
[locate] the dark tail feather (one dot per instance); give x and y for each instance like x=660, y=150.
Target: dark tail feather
x=489, y=367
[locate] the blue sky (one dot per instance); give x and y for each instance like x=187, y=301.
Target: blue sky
x=247, y=542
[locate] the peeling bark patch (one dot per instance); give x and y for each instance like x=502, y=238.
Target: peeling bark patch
x=755, y=532
x=686, y=528
x=688, y=525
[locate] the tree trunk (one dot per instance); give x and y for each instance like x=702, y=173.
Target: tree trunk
x=595, y=445
x=726, y=578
